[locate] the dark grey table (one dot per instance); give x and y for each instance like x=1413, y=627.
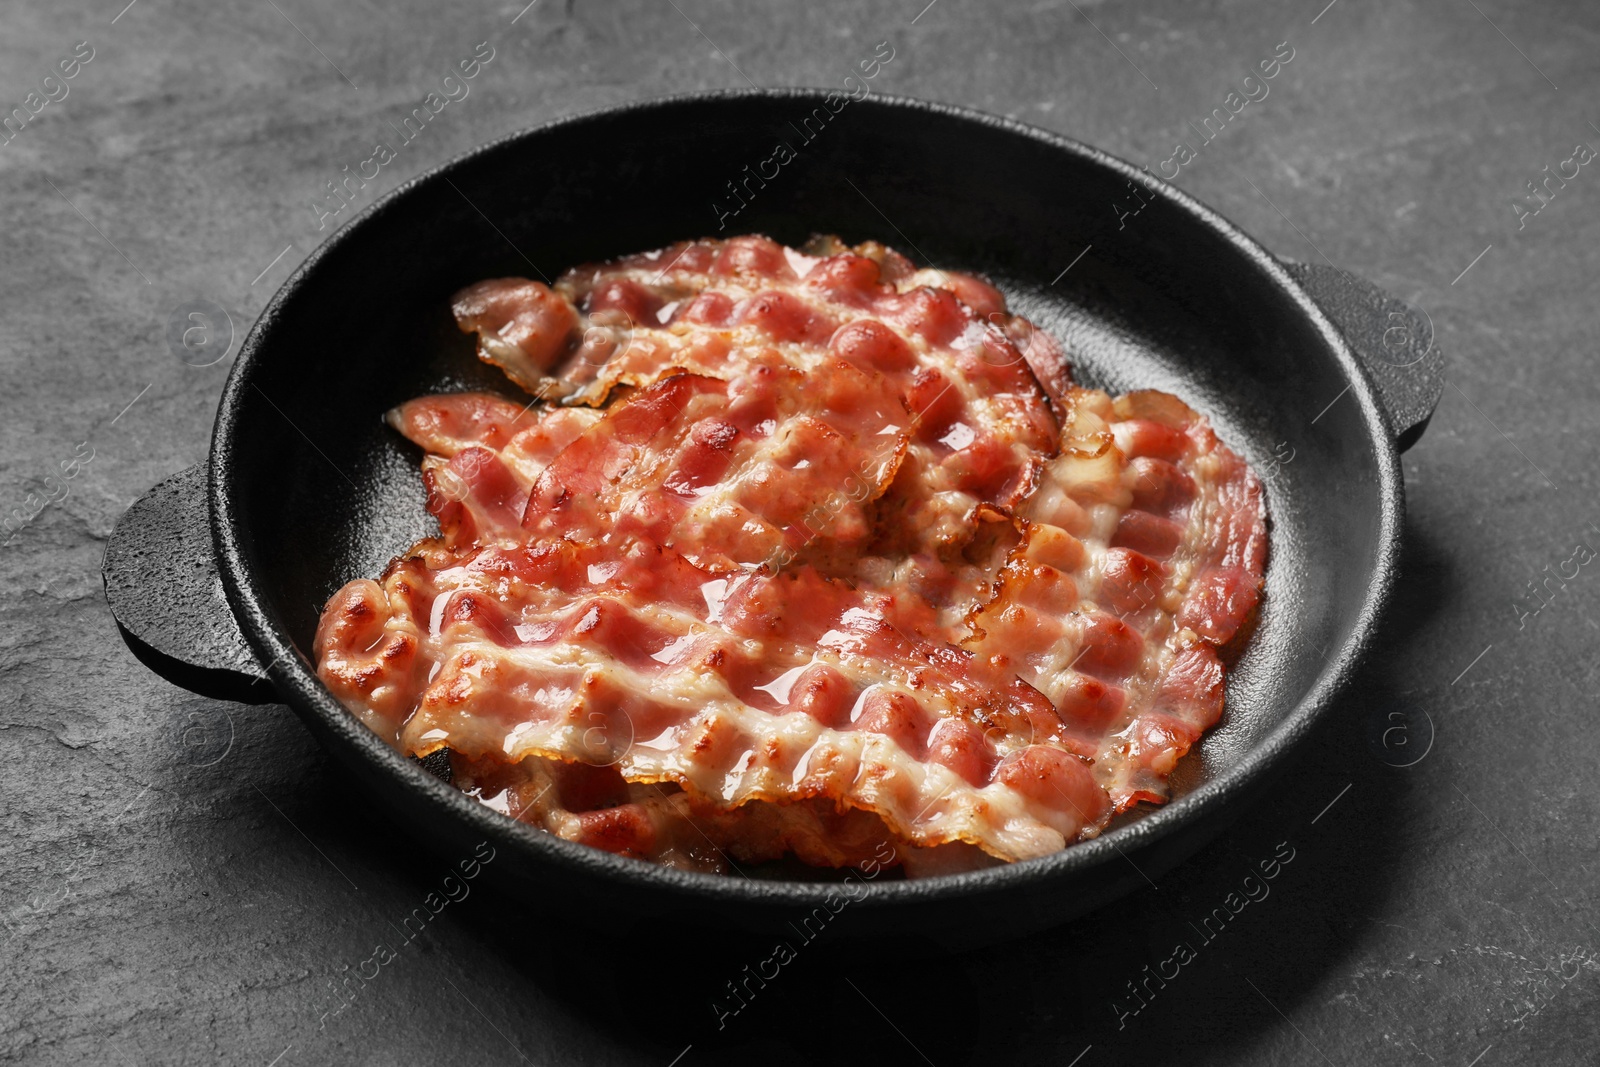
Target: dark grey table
x=186, y=881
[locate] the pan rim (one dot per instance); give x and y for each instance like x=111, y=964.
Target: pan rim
x=295, y=679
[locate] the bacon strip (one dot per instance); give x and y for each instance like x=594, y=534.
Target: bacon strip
x=1142, y=553
x=523, y=328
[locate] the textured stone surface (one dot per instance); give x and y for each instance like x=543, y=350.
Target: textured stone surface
x=186, y=881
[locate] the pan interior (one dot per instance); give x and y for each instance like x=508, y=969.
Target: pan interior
x=324, y=492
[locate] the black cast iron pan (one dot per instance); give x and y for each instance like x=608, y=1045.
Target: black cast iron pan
x=217, y=576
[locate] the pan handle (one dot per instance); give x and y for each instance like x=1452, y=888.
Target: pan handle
x=1393, y=340
x=161, y=580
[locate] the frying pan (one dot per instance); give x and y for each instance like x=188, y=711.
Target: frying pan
x=216, y=577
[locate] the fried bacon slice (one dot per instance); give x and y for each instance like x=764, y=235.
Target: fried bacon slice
x=1141, y=554
x=523, y=328
x=820, y=554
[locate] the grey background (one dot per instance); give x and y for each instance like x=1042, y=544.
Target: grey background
x=185, y=881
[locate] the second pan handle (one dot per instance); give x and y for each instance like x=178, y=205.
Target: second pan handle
x=162, y=584
x=1393, y=340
